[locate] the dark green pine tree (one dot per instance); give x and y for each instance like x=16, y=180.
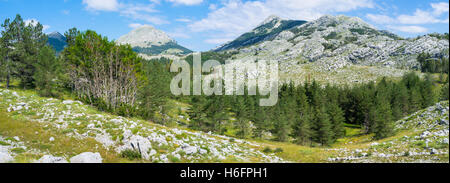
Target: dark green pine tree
x=48, y=77
x=302, y=126
x=337, y=120
x=335, y=112
x=242, y=122
x=415, y=99
x=400, y=102
x=153, y=93
x=383, y=124
x=262, y=122
x=28, y=40
x=426, y=88
x=281, y=126
x=324, y=132
x=196, y=114
x=7, y=64
x=216, y=114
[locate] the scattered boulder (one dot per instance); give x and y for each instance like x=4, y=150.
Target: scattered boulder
x=87, y=157
x=5, y=158
x=443, y=122
x=189, y=149
x=51, y=159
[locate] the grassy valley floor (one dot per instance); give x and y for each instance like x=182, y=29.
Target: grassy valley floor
x=37, y=129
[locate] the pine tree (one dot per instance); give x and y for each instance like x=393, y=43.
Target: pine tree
x=262, y=122
x=324, y=133
x=400, y=103
x=415, y=99
x=196, y=114
x=29, y=39
x=216, y=114
x=335, y=112
x=302, y=126
x=427, y=91
x=7, y=64
x=48, y=77
x=153, y=94
x=281, y=126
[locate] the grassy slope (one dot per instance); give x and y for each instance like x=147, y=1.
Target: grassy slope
x=35, y=127
x=80, y=128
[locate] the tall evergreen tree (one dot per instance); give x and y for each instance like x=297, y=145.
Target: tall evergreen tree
x=400, y=102
x=324, y=133
x=428, y=96
x=49, y=75
x=302, y=126
x=7, y=64
x=153, y=94
x=383, y=126
x=335, y=112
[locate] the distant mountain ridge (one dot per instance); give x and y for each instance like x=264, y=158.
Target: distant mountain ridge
x=338, y=41
x=57, y=41
x=267, y=29
x=149, y=40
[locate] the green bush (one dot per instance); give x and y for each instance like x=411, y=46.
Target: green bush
x=18, y=150
x=131, y=154
x=278, y=150
x=267, y=150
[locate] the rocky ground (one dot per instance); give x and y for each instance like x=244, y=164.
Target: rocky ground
x=46, y=130
x=339, y=49
x=422, y=137
x=154, y=142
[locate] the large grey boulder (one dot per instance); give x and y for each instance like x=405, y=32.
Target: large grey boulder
x=51, y=159
x=5, y=158
x=87, y=157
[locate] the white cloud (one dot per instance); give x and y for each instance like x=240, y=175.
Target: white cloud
x=235, y=17
x=133, y=11
x=212, y=7
x=101, y=5
x=34, y=22
x=409, y=29
x=419, y=17
x=135, y=25
x=45, y=27
x=439, y=8
x=183, y=20
x=65, y=12
x=186, y=2
x=218, y=41
x=179, y=35
x=380, y=19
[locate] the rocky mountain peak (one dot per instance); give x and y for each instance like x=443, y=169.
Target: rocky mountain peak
x=56, y=35
x=270, y=19
x=145, y=36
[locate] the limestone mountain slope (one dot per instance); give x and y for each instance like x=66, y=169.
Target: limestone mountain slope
x=266, y=30
x=340, y=50
x=337, y=41
x=57, y=41
x=149, y=40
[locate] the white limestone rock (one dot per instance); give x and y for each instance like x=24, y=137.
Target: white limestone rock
x=87, y=157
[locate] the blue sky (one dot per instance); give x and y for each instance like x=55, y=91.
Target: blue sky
x=201, y=25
